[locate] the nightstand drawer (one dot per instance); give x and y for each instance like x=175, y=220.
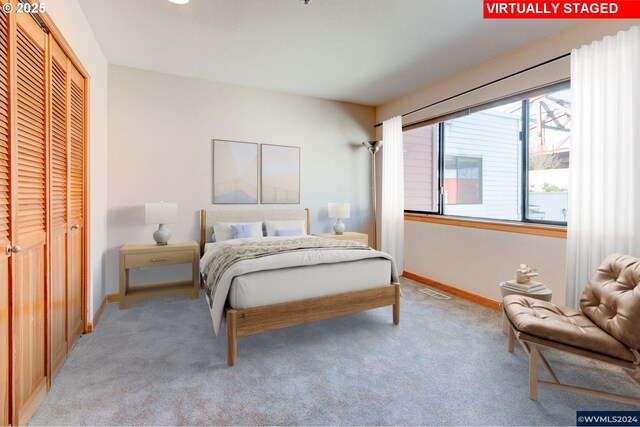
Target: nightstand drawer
x=157, y=259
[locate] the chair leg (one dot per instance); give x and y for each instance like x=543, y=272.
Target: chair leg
x=510, y=338
x=547, y=367
x=543, y=360
x=533, y=372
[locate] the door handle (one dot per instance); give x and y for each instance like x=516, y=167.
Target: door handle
x=75, y=226
x=15, y=249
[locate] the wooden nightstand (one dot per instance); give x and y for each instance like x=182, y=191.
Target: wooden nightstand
x=151, y=255
x=347, y=235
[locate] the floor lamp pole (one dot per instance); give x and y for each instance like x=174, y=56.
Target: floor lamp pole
x=374, y=195
x=373, y=147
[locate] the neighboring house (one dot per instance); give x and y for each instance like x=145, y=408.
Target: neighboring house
x=483, y=163
x=483, y=180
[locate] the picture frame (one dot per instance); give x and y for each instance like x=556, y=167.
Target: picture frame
x=235, y=172
x=280, y=174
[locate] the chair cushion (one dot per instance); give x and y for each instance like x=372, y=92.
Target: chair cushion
x=612, y=298
x=564, y=325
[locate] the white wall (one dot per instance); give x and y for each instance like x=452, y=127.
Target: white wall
x=70, y=20
x=160, y=132
x=471, y=259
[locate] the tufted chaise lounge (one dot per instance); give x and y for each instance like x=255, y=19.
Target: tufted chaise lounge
x=607, y=329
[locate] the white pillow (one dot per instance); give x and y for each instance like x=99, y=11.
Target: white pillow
x=222, y=230
x=272, y=226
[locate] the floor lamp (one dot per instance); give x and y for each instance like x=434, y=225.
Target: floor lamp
x=373, y=147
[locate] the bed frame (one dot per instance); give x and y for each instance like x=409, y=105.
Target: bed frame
x=260, y=319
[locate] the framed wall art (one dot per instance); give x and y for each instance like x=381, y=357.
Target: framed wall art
x=280, y=174
x=235, y=172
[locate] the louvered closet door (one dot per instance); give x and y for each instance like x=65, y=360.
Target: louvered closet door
x=76, y=205
x=5, y=211
x=58, y=191
x=29, y=197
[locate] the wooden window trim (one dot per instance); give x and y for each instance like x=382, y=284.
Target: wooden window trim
x=556, y=231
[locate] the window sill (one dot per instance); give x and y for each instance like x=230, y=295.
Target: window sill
x=556, y=231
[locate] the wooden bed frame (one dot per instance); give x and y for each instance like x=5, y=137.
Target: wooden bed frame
x=260, y=319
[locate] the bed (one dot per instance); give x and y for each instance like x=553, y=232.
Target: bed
x=285, y=280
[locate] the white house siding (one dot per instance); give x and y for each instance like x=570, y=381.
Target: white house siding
x=494, y=137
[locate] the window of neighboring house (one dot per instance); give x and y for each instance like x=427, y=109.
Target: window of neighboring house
x=462, y=180
x=508, y=161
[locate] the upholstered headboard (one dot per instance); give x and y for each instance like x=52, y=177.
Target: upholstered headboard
x=208, y=218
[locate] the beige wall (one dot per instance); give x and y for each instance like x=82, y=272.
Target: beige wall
x=160, y=132
x=71, y=22
x=476, y=260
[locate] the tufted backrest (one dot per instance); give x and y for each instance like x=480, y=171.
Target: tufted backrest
x=612, y=298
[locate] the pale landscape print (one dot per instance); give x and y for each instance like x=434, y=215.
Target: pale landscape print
x=235, y=172
x=280, y=174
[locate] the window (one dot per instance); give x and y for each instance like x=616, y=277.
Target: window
x=508, y=161
x=462, y=180
x=548, y=140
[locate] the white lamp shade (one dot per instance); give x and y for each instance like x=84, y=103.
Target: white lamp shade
x=160, y=213
x=339, y=210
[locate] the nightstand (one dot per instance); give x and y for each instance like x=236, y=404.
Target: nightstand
x=151, y=255
x=347, y=235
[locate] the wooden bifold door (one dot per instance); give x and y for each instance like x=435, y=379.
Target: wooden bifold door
x=66, y=206
x=29, y=200
x=42, y=207
x=5, y=226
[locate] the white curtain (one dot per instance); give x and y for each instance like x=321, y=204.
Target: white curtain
x=604, y=183
x=392, y=200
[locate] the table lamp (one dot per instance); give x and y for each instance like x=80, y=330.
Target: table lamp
x=161, y=213
x=339, y=210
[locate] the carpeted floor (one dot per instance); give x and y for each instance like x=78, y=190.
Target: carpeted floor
x=445, y=364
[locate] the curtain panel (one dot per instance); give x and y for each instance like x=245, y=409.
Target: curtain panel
x=392, y=200
x=604, y=183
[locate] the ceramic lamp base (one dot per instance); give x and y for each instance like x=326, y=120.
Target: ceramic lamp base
x=338, y=227
x=161, y=235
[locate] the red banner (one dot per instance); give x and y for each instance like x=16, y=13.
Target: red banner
x=519, y=9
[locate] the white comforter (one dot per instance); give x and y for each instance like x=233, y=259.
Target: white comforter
x=273, y=262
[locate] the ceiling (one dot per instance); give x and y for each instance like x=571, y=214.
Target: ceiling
x=361, y=51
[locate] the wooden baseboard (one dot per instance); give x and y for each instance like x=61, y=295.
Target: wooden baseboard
x=91, y=326
x=113, y=297
x=486, y=302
